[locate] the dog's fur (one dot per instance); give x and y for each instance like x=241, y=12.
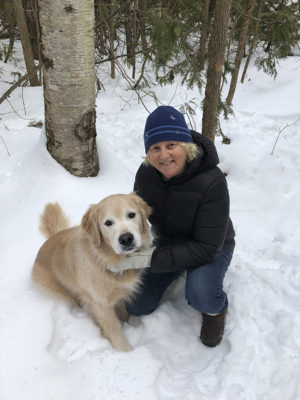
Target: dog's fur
x=72, y=262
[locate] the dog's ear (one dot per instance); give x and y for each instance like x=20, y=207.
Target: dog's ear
x=90, y=225
x=144, y=208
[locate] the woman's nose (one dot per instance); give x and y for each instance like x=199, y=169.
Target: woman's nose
x=164, y=153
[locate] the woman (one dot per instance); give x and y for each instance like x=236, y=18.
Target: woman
x=188, y=194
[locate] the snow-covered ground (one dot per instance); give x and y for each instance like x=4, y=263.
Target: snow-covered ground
x=49, y=351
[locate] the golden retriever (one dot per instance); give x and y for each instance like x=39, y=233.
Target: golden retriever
x=73, y=262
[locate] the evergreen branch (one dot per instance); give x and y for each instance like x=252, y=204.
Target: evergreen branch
x=251, y=17
x=116, y=12
x=290, y=17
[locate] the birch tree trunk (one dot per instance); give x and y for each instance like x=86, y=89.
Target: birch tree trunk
x=67, y=31
x=216, y=50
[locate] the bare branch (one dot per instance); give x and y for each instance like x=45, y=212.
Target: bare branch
x=115, y=57
x=281, y=130
x=131, y=84
x=5, y=146
x=20, y=116
x=17, y=84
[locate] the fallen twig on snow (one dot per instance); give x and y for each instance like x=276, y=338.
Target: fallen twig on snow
x=5, y=146
x=281, y=130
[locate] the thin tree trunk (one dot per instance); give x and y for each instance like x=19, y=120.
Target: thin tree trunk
x=11, y=30
x=129, y=31
x=201, y=53
x=239, y=53
x=30, y=7
x=228, y=46
x=67, y=32
x=141, y=24
x=111, y=37
x=216, y=50
x=253, y=43
x=26, y=45
x=134, y=36
x=100, y=28
x=38, y=35
x=211, y=10
x=111, y=33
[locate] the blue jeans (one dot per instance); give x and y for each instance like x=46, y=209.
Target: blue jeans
x=203, y=288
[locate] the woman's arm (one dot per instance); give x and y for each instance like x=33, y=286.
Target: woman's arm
x=210, y=230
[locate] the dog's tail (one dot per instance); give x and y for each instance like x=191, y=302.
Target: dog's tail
x=53, y=220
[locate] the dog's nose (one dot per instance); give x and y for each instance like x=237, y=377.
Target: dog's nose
x=126, y=239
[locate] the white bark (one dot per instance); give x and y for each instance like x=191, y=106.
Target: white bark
x=67, y=28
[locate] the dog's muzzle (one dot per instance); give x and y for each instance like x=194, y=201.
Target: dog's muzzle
x=126, y=240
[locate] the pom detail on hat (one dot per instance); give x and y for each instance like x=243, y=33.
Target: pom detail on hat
x=166, y=124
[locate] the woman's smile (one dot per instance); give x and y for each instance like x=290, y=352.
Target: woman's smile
x=169, y=158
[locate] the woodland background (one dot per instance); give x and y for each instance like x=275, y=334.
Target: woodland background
x=202, y=42
x=51, y=351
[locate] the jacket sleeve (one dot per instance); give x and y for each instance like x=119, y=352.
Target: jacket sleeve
x=210, y=229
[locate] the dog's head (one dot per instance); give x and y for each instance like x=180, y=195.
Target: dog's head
x=119, y=221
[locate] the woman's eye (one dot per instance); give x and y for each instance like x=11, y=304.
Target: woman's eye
x=171, y=145
x=155, y=148
x=131, y=215
x=108, y=222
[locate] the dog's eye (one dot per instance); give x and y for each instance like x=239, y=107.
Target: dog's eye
x=108, y=222
x=131, y=215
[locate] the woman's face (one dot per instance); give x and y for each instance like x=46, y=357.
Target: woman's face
x=167, y=157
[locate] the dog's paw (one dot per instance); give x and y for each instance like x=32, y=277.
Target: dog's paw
x=125, y=346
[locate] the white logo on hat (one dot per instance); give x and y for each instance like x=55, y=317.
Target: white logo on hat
x=172, y=117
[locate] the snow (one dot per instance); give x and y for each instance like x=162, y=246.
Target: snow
x=51, y=351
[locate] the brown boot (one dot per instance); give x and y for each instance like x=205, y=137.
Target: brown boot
x=213, y=328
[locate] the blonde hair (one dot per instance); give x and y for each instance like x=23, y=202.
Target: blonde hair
x=191, y=152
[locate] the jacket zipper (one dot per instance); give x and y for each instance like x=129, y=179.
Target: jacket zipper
x=165, y=208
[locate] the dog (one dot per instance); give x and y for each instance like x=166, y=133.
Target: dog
x=73, y=262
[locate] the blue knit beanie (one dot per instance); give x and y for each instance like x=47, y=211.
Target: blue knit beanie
x=166, y=124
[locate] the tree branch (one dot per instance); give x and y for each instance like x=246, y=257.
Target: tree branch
x=18, y=83
x=281, y=130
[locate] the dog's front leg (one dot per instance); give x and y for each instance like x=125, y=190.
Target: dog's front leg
x=110, y=325
x=121, y=312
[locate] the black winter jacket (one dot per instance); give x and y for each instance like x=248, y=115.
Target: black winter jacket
x=190, y=216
